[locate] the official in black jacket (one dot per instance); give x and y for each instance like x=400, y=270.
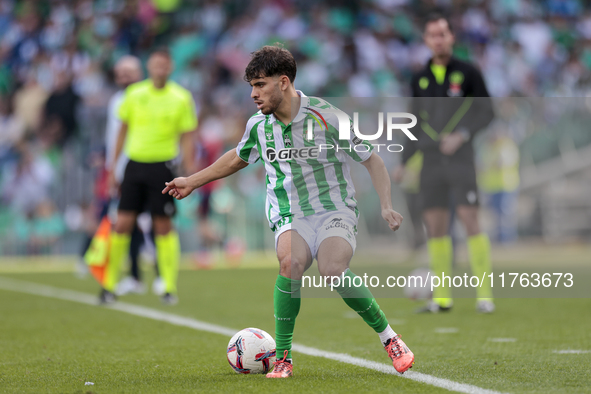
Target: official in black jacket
x=451, y=105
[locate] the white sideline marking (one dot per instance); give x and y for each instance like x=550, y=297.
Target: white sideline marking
x=502, y=339
x=446, y=330
x=572, y=351
x=154, y=314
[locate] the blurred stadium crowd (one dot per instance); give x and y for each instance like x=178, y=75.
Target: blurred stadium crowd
x=56, y=60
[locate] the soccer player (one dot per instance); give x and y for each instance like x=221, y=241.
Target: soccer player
x=311, y=203
x=155, y=115
x=448, y=126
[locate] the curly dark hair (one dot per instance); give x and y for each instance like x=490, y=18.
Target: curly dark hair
x=271, y=61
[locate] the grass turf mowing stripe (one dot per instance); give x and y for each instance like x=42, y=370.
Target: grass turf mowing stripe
x=154, y=314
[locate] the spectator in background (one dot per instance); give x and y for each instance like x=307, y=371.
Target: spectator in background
x=12, y=130
x=22, y=41
x=127, y=70
x=130, y=28
x=499, y=180
x=60, y=121
x=26, y=182
x=70, y=60
x=47, y=227
x=29, y=103
x=376, y=44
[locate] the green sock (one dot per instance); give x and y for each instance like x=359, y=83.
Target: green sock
x=286, y=302
x=479, y=252
x=440, y=253
x=118, y=250
x=168, y=250
x=361, y=301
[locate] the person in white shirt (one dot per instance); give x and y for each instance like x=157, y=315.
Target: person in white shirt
x=127, y=70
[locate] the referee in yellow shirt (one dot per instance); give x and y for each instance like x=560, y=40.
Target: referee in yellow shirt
x=156, y=114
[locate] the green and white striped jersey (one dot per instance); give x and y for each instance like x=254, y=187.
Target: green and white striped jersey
x=304, y=175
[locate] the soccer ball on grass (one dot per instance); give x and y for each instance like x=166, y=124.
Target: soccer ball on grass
x=418, y=285
x=251, y=351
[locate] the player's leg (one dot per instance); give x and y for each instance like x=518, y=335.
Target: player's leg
x=415, y=212
x=130, y=204
x=158, y=285
x=137, y=239
x=294, y=258
x=132, y=283
x=466, y=196
x=168, y=252
x=119, y=248
x=166, y=239
x=334, y=254
x=437, y=221
x=440, y=250
x=434, y=198
x=479, y=254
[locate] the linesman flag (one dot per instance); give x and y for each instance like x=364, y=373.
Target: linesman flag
x=97, y=256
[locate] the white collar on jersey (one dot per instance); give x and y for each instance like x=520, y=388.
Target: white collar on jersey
x=304, y=102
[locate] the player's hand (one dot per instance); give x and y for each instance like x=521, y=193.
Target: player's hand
x=398, y=174
x=451, y=143
x=179, y=188
x=393, y=218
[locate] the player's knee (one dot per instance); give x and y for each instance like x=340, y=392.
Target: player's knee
x=291, y=266
x=331, y=271
x=437, y=232
x=472, y=228
x=123, y=225
x=162, y=225
x=469, y=217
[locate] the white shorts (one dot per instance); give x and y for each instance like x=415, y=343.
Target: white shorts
x=316, y=228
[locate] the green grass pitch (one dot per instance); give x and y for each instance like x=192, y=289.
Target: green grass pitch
x=55, y=346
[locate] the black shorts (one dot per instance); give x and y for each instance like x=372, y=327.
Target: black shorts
x=447, y=182
x=142, y=186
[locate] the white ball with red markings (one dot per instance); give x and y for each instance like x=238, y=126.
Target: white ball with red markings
x=418, y=284
x=251, y=351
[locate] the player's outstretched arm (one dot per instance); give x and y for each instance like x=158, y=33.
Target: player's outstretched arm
x=381, y=182
x=225, y=166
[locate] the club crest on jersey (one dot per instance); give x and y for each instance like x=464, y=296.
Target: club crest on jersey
x=287, y=141
x=269, y=136
x=455, y=84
